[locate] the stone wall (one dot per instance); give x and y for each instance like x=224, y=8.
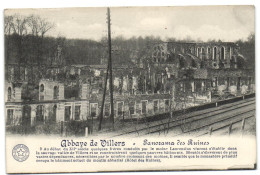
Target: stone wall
x=48, y=91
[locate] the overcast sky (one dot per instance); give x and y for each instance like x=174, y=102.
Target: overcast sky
x=227, y=23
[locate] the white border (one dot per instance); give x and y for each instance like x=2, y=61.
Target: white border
x=81, y=3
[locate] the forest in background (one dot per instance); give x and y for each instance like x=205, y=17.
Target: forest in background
x=27, y=42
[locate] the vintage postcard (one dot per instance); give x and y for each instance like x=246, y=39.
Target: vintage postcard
x=130, y=89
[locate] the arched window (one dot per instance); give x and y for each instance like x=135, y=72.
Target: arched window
x=9, y=94
x=10, y=115
x=203, y=52
x=222, y=53
x=41, y=88
x=56, y=92
x=214, y=53
x=209, y=50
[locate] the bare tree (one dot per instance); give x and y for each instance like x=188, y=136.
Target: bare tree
x=45, y=26
x=34, y=24
x=19, y=24
x=8, y=24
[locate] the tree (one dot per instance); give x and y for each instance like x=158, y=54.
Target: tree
x=8, y=20
x=33, y=23
x=247, y=49
x=45, y=26
x=24, y=39
x=19, y=24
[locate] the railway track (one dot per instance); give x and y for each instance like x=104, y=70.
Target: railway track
x=227, y=125
x=194, y=120
x=224, y=122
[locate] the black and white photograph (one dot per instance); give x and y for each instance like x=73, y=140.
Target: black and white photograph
x=113, y=73
x=74, y=72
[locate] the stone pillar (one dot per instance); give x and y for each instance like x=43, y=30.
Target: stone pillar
x=173, y=95
x=84, y=110
x=61, y=91
x=192, y=86
x=209, y=96
x=235, y=62
x=33, y=114
x=60, y=112
x=48, y=91
x=18, y=115
x=18, y=93
x=84, y=91
x=46, y=112
x=72, y=111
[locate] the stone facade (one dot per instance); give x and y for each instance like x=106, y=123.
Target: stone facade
x=51, y=90
x=212, y=54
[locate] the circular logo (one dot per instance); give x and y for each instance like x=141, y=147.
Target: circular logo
x=20, y=152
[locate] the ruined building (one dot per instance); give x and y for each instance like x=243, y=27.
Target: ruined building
x=172, y=75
